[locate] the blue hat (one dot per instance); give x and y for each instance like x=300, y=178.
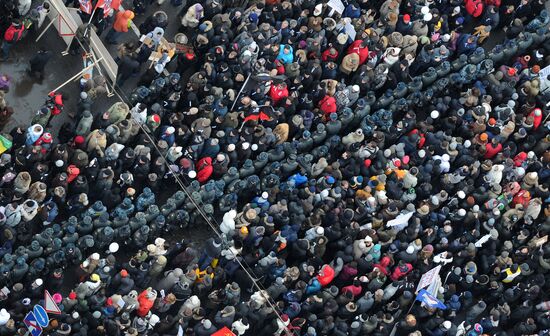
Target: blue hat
x=253, y=17
x=330, y=179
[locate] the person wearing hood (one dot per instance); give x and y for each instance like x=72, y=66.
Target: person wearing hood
x=123, y=22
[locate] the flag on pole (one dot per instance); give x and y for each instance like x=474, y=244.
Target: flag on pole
x=429, y=300
x=5, y=144
x=108, y=6
x=85, y=6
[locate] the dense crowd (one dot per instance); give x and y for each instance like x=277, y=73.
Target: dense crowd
x=303, y=147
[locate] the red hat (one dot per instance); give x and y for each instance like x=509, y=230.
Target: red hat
x=79, y=139
x=492, y=121
x=406, y=159
x=47, y=136
x=156, y=118
x=109, y=302
x=406, y=18
x=397, y=163
x=124, y=273
x=284, y=317
x=511, y=71
x=72, y=295
x=367, y=163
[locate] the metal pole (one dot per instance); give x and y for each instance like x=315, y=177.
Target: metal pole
x=241, y=91
x=76, y=76
x=411, y=307
x=46, y=29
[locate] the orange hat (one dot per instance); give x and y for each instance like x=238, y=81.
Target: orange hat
x=492, y=121
x=124, y=273
x=483, y=137
x=244, y=230
x=511, y=71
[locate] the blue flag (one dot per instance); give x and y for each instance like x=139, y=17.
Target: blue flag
x=429, y=300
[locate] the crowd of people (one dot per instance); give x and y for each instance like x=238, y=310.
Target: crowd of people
x=303, y=137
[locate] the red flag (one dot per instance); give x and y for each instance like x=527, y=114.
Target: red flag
x=108, y=6
x=223, y=332
x=260, y=116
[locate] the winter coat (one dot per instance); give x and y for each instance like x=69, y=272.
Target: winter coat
x=122, y=21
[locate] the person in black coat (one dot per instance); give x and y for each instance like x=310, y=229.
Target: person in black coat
x=38, y=63
x=127, y=66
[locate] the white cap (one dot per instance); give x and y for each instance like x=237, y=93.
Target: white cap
x=254, y=147
x=38, y=282
x=170, y=130
x=75, y=315
x=422, y=153
x=461, y=194
x=447, y=325
x=154, y=319
x=113, y=248
x=461, y=212
x=410, y=249
x=355, y=88
x=59, y=163
x=320, y=230
x=434, y=114
x=192, y=174
x=265, y=195
x=467, y=143
x=231, y=147
x=245, y=145
x=95, y=256
x=427, y=17
x=425, y=10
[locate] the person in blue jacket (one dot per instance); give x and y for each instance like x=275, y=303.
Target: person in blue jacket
x=466, y=44
x=286, y=54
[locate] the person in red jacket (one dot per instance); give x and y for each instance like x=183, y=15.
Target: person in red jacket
x=360, y=48
x=492, y=148
x=278, y=93
x=383, y=265
x=204, y=169
x=354, y=288
x=12, y=35
x=327, y=105
x=331, y=55
x=72, y=173
x=474, y=7
x=537, y=117
x=326, y=275
x=401, y=271
x=522, y=197
x=146, y=300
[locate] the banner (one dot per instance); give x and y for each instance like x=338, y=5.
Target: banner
x=429, y=300
x=428, y=277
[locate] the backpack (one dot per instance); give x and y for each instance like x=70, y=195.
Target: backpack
x=14, y=34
